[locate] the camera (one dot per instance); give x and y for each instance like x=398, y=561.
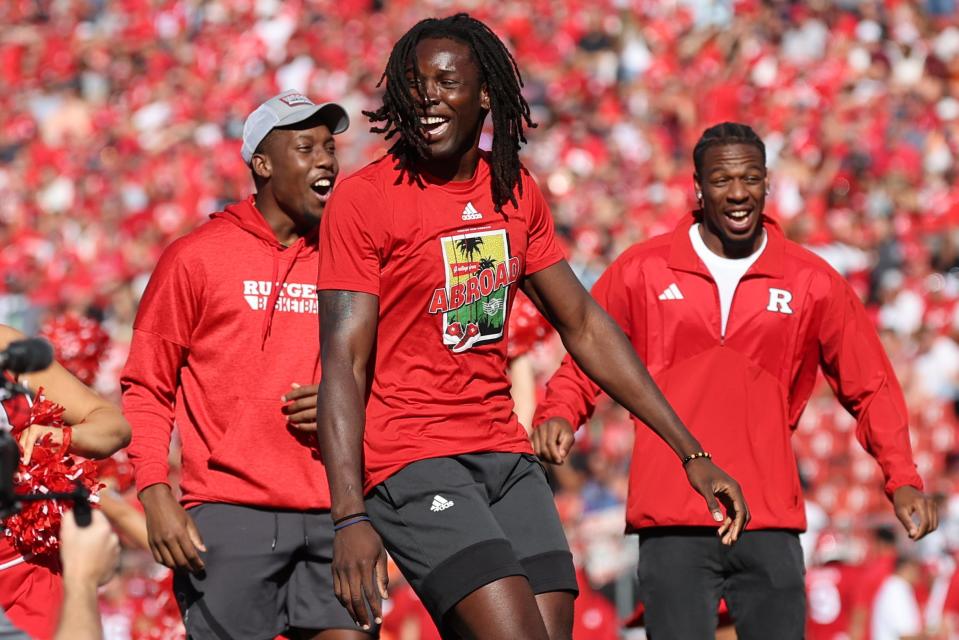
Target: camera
x=25, y=356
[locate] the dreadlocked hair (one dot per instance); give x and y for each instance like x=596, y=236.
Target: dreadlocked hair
x=723, y=134
x=498, y=71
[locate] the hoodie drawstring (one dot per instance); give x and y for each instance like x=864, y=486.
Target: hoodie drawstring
x=275, y=286
x=276, y=530
x=247, y=217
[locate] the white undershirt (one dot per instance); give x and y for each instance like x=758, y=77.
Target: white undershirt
x=727, y=272
x=895, y=610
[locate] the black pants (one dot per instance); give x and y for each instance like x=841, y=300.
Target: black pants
x=683, y=572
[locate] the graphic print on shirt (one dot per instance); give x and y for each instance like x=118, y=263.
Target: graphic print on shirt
x=479, y=271
x=294, y=297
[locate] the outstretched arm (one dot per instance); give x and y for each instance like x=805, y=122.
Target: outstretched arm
x=603, y=352
x=348, y=323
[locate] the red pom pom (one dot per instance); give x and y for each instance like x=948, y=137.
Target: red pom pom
x=80, y=344
x=35, y=528
x=527, y=327
x=117, y=469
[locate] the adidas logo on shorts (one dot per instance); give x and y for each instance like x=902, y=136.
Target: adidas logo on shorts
x=440, y=503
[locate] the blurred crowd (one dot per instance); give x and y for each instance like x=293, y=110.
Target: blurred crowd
x=120, y=132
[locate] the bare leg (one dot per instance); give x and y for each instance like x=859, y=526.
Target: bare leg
x=501, y=610
x=556, y=608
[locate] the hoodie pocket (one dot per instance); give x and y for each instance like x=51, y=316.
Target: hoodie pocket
x=250, y=447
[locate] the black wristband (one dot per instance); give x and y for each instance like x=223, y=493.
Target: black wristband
x=345, y=518
x=350, y=523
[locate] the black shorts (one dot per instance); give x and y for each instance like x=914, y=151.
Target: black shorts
x=684, y=571
x=456, y=524
x=266, y=571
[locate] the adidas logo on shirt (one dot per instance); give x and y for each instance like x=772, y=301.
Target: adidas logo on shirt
x=440, y=503
x=470, y=212
x=672, y=292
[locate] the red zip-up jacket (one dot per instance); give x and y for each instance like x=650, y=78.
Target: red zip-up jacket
x=740, y=394
x=227, y=323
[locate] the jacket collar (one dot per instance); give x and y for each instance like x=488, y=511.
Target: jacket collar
x=683, y=257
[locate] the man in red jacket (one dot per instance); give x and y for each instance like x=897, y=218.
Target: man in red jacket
x=233, y=306
x=733, y=320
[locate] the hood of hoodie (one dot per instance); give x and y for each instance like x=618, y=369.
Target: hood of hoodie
x=246, y=216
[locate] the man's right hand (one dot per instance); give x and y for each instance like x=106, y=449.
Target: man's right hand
x=553, y=439
x=174, y=538
x=359, y=569
x=716, y=486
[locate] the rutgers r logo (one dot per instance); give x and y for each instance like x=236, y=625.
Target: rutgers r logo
x=779, y=300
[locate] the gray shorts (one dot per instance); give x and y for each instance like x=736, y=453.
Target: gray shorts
x=266, y=571
x=456, y=524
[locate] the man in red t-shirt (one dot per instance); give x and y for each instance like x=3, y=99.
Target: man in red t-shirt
x=878, y=566
x=734, y=321
x=421, y=255
x=950, y=607
x=829, y=589
x=596, y=616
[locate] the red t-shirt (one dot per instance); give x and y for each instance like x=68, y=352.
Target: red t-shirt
x=406, y=613
x=445, y=266
x=829, y=597
x=951, y=604
x=594, y=617
x=873, y=573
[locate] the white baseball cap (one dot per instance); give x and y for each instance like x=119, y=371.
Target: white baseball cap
x=289, y=107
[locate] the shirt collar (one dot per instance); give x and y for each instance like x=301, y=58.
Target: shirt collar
x=683, y=257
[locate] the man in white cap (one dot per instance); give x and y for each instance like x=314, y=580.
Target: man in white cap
x=225, y=346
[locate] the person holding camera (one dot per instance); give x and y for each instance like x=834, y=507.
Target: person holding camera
x=59, y=418
x=90, y=556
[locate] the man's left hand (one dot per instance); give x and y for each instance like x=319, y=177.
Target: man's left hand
x=300, y=407
x=907, y=501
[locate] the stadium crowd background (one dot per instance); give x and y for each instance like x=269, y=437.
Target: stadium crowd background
x=120, y=131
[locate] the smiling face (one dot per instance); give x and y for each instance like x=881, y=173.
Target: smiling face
x=732, y=185
x=297, y=167
x=453, y=105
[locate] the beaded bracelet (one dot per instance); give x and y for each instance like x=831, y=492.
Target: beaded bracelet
x=349, y=517
x=350, y=523
x=693, y=456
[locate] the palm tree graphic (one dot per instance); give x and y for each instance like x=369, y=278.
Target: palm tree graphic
x=468, y=247
x=485, y=263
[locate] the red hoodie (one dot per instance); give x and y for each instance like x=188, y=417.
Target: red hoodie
x=741, y=394
x=207, y=354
